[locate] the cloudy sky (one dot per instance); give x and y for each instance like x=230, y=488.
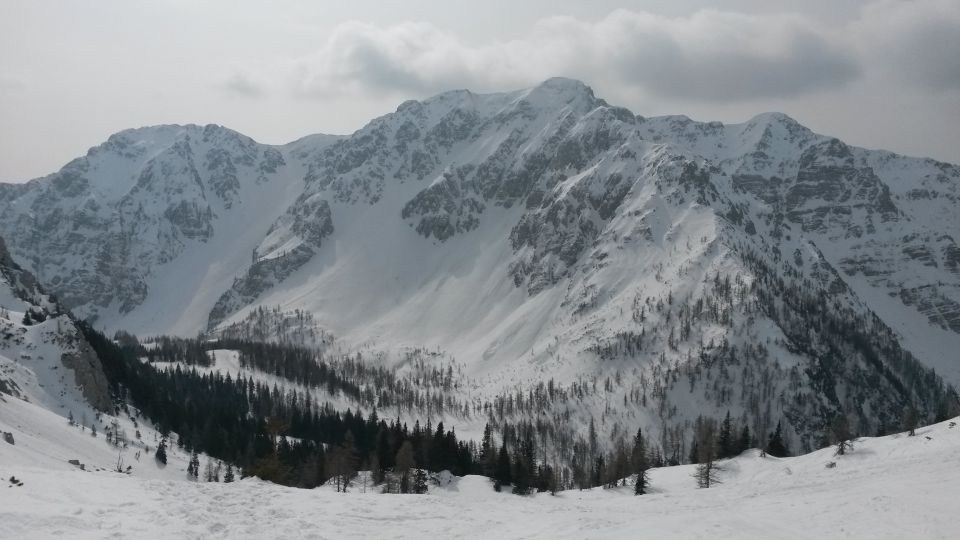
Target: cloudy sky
x=880, y=74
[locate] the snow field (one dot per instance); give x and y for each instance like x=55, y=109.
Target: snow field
x=889, y=487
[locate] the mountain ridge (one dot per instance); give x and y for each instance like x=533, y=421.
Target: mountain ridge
x=529, y=234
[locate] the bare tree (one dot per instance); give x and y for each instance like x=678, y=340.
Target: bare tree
x=706, y=440
x=404, y=463
x=343, y=464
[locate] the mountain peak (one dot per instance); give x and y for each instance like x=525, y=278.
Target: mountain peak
x=773, y=117
x=562, y=87
x=560, y=92
x=565, y=84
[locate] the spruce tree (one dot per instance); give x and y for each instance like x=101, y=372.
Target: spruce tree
x=599, y=472
x=420, y=481
x=503, y=475
x=725, y=444
x=208, y=473
x=193, y=467
x=638, y=459
x=744, y=442
x=383, y=455
x=775, y=446
x=228, y=475
x=488, y=454
x=524, y=465
x=694, y=455
x=840, y=432
x=161, y=453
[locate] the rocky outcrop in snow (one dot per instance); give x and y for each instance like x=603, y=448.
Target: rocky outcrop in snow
x=44, y=329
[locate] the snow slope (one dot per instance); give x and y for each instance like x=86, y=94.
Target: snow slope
x=54, y=394
x=890, y=487
x=43, y=439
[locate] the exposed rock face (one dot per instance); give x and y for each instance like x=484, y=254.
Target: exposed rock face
x=262, y=275
x=75, y=353
x=88, y=374
x=831, y=193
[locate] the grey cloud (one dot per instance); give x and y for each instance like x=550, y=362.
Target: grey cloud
x=240, y=84
x=916, y=42
x=710, y=56
x=361, y=57
x=715, y=56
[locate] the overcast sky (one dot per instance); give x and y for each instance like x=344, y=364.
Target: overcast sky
x=880, y=74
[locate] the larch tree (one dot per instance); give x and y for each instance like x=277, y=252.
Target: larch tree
x=404, y=463
x=706, y=434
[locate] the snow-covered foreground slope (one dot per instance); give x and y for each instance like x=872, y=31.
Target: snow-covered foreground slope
x=44, y=440
x=890, y=487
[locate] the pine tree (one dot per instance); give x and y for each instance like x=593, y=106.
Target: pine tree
x=228, y=475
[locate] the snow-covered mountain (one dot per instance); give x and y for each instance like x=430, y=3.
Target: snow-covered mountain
x=535, y=235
